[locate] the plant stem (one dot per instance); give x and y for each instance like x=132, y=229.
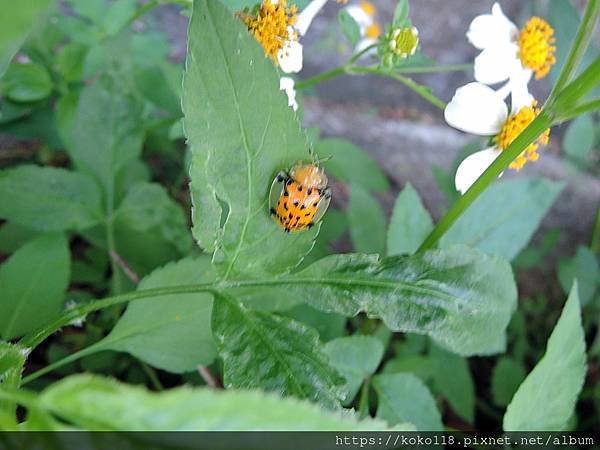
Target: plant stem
x=423, y=91
x=530, y=134
x=595, y=243
x=579, y=47
x=363, y=405
x=582, y=108
x=349, y=69
x=151, y=373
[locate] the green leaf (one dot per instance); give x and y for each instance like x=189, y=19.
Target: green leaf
x=579, y=138
x=355, y=357
x=328, y=325
x=460, y=297
x=49, y=199
x=452, y=378
x=419, y=365
x=410, y=223
x=503, y=219
x=402, y=397
x=349, y=27
x=400, y=13
x=546, y=399
x=107, y=132
x=564, y=18
x=96, y=403
x=507, y=376
x=118, y=15
x=26, y=82
x=16, y=22
x=32, y=285
x=70, y=61
x=92, y=9
x=367, y=221
x=261, y=350
x=242, y=133
x=12, y=360
x=171, y=332
x=584, y=268
x=352, y=164
x=13, y=236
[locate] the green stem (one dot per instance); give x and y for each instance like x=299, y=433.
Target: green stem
x=579, y=47
x=61, y=362
x=580, y=109
x=363, y=406
x=324, y=76
x=529, y=134
x=595, y=244
x=567, y=99
x=151, y=373
x=423, y=91
x=349, y=69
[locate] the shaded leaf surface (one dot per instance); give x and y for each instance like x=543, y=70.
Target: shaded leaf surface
x=367, y=221
x=172, y=332
x=500, y=226
x=261, y=350
x=402, y=397
x=32, y=284
x=49, y=199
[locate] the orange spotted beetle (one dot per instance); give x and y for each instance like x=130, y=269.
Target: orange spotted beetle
x=300, y=197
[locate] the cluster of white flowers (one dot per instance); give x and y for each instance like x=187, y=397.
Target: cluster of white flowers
x=507, y=55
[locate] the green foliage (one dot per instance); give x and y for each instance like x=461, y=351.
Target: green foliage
x=247, y=130
x=274, y=353
x=404, y=398
x=500, y=226
x=71, y=199
x=26, y=82
x=579, y=139
x=32, y=285
x=546, y=399
x=452, y=378
x=356, y=358
x=583, y=267
x=400, y=13
x=352, y=164
x=15, y=25
x=507, y=376
x=171, y=332
x=91, y=403
x=460, y=297
x=366, y=220
x=349, y=27
x=410, y=223
x=12, y=360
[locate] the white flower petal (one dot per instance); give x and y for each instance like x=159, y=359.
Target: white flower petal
x=364, y=43
x=287, y=84
x=290, y=56
x=519, y=90
x=476, y=108
x=472, y=167
x=495, y=64
x=360, y=16
x=489, y=30
x=307, y=15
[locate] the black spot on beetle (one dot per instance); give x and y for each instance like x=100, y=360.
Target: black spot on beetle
x=290, y=215
x=309, y=192
x=299, y=188
x=285, y=206
x=296, y=202
x=303, y=207
x=286, y=193
x=273, y=211
x=307, y=215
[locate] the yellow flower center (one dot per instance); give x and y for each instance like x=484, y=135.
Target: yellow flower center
x=270, y=26
x=535, y=46
x=513, y=126
x=404, y=41
x=373, y=31
x=368, y=8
